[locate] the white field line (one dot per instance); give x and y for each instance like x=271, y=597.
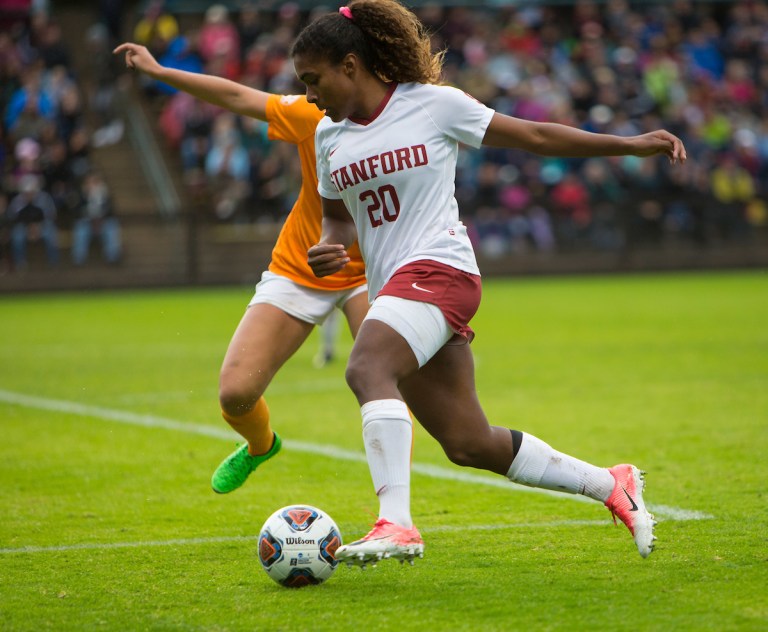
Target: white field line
x=330, y=451
x=90, y=546
x=308, y=386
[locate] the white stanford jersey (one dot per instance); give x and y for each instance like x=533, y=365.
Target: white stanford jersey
x=396, y=176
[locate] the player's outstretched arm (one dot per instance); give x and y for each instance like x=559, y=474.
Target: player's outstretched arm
x=553, y=139
x=216, y=90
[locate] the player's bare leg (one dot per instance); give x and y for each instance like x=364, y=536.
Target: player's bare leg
x=263, y=341
x=387, y=435
x=393, y=360
x=442, y=396
x=355, y=310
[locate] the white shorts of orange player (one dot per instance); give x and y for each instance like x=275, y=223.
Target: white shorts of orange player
x=311, y=306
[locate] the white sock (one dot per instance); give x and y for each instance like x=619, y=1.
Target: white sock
x=387, y=436
x=538, y=465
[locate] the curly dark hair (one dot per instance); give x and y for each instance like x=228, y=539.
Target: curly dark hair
x=387, y=37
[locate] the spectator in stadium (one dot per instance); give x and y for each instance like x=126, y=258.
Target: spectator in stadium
x=5, y=240
x=50, y=43
x=386, y=159
x=219, y=42
x=111, y=16
x=60, y=182
x=570, y=201
x=605, y=197
x=100, y=79
x=27, y=162
x=289, y=301
x=32, y=217
x=196, y=135
x=11, y=61
x=249, y=27
x=70, y=112
x=96, y=217
x=227, y=167
x=157, y=28
x=29, y=98
x=733, y=188
x=180, y=54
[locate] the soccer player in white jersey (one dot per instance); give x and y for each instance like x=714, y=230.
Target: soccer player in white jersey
x=386, y=158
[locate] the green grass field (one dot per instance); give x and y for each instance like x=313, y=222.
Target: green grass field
x=110, y=432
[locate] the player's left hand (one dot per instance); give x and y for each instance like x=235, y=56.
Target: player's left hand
x=660, y=142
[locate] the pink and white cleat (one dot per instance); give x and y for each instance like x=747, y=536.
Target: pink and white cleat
x=626, y=502
x=386, y=540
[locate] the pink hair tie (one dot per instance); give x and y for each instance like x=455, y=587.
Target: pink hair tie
x=346, y=12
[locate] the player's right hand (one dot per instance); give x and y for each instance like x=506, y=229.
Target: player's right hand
x=137, y=57
x=325, y=259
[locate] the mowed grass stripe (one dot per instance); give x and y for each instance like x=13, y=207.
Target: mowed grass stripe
x=434, y=471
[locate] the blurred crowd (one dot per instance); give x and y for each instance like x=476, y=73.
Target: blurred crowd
x=698, y=69
x=48, y=180
x=247, y=177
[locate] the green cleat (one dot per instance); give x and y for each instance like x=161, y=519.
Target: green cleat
x=237, y=467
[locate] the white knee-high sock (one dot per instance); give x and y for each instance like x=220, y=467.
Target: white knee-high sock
x=387, y=435
x=537, y=464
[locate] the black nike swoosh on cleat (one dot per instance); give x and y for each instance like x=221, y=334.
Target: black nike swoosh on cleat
x=634, y=506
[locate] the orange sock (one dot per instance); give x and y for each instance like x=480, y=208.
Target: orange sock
x=254, y=427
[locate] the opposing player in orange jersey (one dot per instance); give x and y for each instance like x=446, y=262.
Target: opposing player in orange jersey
x=289, y=300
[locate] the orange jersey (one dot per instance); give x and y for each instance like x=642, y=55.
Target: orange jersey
x=293, y=119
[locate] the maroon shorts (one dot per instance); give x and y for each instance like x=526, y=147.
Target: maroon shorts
x=455, y=292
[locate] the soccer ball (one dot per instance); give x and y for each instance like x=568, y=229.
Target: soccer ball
x=297, y=546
